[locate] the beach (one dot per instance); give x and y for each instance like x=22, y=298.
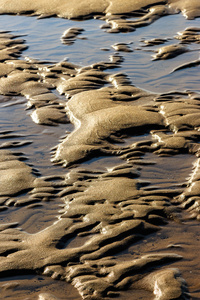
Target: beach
x=99, y=150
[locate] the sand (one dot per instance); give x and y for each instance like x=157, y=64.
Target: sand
x=100, y=215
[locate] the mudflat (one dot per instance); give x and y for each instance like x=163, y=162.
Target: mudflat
x=99, y=162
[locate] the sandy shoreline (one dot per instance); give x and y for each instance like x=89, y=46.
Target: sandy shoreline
x=99, y=178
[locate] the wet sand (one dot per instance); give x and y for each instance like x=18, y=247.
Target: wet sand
x=99, y=153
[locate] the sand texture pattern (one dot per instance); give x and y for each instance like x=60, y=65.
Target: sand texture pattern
x=89, y=226
x=76, y=9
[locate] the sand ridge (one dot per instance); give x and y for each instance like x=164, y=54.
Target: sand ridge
x=76, y=9
x=103, y=212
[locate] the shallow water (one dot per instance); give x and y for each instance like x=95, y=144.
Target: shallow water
x=159, y=174
x=43, y=38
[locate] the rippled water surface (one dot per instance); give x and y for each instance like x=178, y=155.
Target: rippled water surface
x=43, y=38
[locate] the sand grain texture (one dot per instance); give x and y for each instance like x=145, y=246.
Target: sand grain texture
x=104, y=215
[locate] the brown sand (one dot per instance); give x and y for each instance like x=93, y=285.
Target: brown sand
x=97, y=241
x=76, y=9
